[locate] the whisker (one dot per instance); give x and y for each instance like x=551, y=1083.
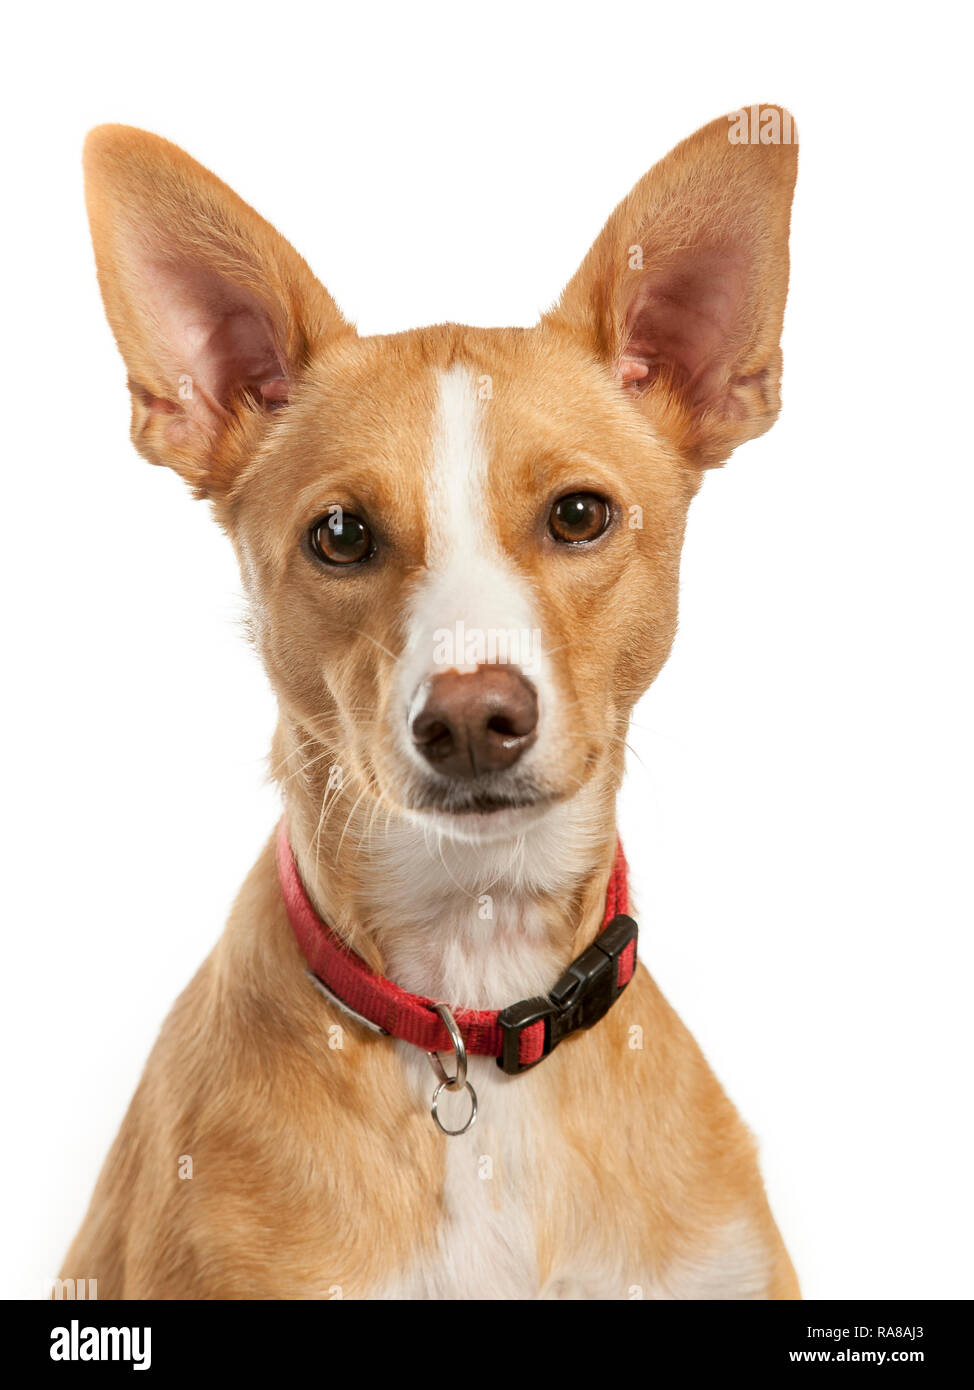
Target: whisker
x=361, y=633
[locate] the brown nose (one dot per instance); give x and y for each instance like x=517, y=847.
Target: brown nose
x=479, y=722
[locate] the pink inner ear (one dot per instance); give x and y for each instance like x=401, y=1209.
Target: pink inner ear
x=218, y=335
x=683, y=317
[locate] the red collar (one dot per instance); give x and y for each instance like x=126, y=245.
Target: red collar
x=518, y=1036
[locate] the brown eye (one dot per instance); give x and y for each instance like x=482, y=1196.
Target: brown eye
x=340, y=538
x=581, y=516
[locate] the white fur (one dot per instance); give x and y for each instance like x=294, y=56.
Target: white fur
x=484, y=1244
x=468, y=579
x=736, y=1264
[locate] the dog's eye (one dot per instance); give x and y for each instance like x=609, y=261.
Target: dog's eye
x=340, y=538
x=581, y=516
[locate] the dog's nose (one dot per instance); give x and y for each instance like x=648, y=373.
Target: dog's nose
x=481, y=721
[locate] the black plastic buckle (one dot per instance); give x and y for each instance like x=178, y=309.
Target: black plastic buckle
x=583, y=995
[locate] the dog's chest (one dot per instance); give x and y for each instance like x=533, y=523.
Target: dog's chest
x=513, y=1211
x=482, y=1241
x=511, y=1177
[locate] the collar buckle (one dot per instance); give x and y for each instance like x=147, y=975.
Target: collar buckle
x=583, y=995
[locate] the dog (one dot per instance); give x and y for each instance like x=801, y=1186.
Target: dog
x=423, y=1061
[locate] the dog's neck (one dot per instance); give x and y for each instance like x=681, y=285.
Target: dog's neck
x=478, y=924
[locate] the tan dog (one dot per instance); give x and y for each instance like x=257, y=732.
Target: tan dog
x=408, y=510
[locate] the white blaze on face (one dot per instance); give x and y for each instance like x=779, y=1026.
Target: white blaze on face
x=472, y=605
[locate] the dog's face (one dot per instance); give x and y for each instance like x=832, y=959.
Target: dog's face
x=461, y=546
x=462, y=549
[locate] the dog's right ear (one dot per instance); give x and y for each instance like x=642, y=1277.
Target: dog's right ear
x=214, y=313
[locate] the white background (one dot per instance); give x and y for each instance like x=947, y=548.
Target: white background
x=799, y=819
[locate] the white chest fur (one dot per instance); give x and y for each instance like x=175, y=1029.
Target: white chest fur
x=484, y=1243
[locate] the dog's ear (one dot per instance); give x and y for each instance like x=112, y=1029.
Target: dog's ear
x=214, y=313
x=683, y=293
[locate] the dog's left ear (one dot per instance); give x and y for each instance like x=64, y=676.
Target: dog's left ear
x=683, y=293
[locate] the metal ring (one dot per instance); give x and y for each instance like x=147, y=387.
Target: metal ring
x=473, y=1108
x=459, y=1080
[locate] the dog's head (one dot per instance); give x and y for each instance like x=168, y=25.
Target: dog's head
x=461, y=546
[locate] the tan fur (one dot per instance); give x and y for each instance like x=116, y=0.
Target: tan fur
x=314, y=1169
